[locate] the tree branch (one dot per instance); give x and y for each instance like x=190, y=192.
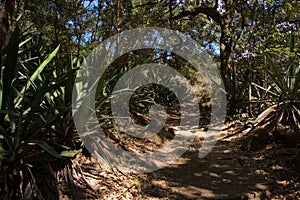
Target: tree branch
x=208, y=11
x=147, y=4
x=216, y=4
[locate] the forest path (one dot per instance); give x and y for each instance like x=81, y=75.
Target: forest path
x=226, y=172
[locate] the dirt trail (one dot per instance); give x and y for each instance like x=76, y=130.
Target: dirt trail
x=226, y=173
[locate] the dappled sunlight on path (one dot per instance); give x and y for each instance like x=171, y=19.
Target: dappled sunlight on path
x=225, y=173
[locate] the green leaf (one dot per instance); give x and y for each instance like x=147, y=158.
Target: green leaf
x=10, y=65
x=34, y=105
x=292, y=42
x=277, y=78
x=47, y=148
x=296, y=85
x=7, y=138
x=69, y=84
x=36, y=74
x=69, y=154
x=138, y=184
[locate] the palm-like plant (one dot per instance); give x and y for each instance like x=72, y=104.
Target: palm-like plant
x=284, y=88
x=35, y=118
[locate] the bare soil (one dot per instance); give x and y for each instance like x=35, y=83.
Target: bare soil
x=227, y=172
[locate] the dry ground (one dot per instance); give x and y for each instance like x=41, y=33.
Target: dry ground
x=227, y=172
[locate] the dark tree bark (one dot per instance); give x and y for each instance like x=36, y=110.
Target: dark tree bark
x=6, y=11
x=225, y=22
x=210, y=12
x=226, y=49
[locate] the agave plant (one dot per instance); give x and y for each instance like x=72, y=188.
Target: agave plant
x=237, y=94
x=284, y=88
x=35, y=119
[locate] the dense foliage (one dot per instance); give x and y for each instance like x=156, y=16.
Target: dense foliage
x=42, y=43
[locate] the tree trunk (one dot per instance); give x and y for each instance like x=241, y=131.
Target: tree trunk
x=6, y=10
x=225, y=54
x=225, y=23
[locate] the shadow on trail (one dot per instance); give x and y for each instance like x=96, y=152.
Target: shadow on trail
x=222, y=174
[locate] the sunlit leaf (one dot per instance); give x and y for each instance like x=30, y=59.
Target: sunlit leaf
x=69, y=154
x=36, y=74
x=47, y=148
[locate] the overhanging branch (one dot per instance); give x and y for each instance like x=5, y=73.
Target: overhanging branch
x=208, y=11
